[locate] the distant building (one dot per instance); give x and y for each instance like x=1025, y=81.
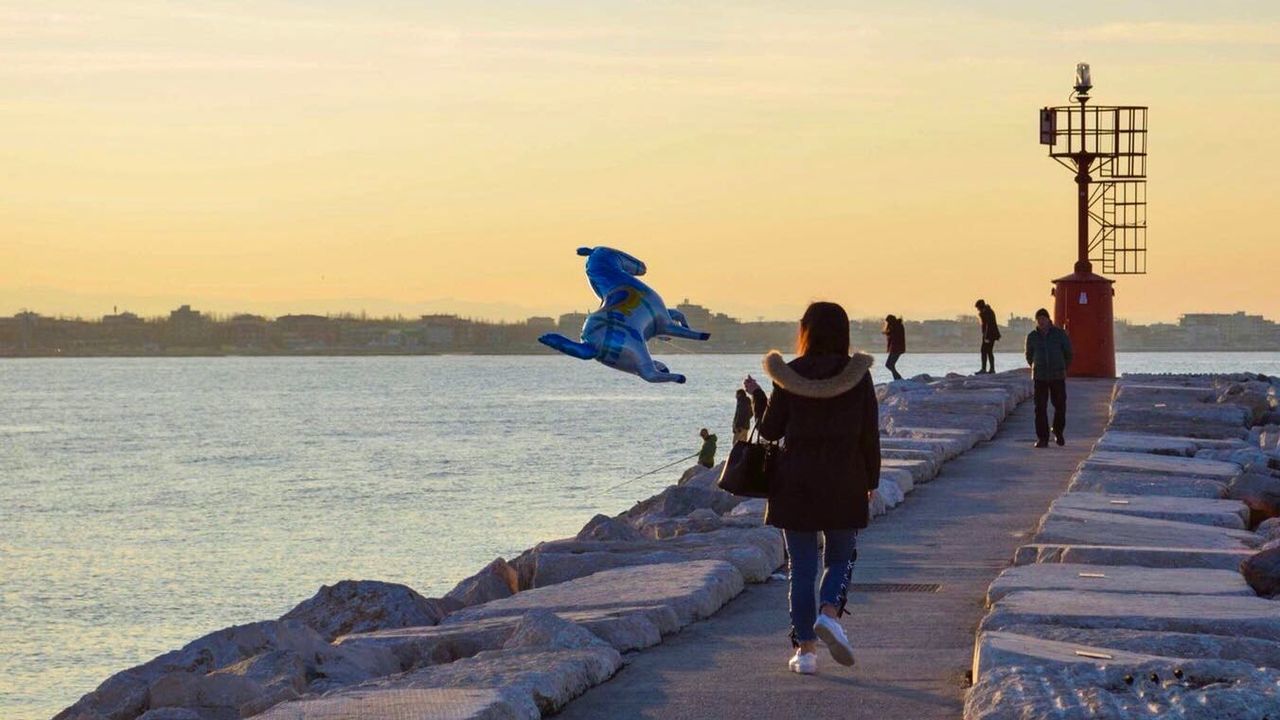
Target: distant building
x=306, y=332
x=441, y=332
x=698, y=316
x=249, y=331
x=541, y=324
x=570, y=324
x=188, y=327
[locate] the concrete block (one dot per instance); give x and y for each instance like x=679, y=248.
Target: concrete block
x=1118, y=579
x=1083, y=527
x=1201, y=511
x=1133, y=483
x=1157, y=557
x=1197, y=614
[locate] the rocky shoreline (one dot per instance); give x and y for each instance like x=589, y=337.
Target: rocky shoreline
x=1149, y=589
x=521, y=638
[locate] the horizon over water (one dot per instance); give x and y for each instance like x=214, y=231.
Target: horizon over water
x=145, y=502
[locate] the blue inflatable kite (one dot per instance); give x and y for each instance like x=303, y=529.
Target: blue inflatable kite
x=630, y=313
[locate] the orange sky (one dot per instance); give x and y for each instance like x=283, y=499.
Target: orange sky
x=406, y=157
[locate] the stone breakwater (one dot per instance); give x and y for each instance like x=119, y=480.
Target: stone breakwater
x=1150, y=587
x=523, y=637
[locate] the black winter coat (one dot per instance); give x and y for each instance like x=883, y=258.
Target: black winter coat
x=824, y=408
x=896, y=338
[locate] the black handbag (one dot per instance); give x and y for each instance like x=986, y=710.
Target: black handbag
x=750, y=467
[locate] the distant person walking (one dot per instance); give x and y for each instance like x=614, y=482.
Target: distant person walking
x=990, y=334
x=824, y=405
x=895, y=335
x=707, y=455
x=1049, y=355
x=742, y=416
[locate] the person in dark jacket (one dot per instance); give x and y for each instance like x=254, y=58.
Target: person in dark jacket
x=824, y=405
x=895, y=335
x=742, y=416
x=990, y=334
x=707, y=453
x=1049, y=355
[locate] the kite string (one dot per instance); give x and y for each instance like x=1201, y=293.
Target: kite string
x=676, y=346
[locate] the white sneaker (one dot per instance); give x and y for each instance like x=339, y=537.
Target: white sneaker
x=803, y=663
x=837, y=643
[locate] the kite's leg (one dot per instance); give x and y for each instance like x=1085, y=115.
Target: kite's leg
x=670, y=329
x=579, y=350
x=654, y=375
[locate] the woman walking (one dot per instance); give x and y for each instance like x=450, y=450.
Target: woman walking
x=895, y=335
x=824, y=405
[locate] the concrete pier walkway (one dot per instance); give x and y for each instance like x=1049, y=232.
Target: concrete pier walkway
x=914, y=649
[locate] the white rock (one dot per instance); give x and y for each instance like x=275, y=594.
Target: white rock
x=1162, y=643
x=1208, y=614
x=1134, y=483
x=1149, y=464
x=1167, y=557
x=890, y=492
x=1117, y=579
x=496, y=580
x=1187, y=690
x=1121, y=441
x=693, y=590
x=902, y=478
x=995, y=649
x=1083, y=527
x=363, y=605
x=435, y=704
x=959, y=440
x=1202, y=511
x=544, y=629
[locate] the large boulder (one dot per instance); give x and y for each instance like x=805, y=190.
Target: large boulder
x=1209, y=614
x=658, y=527
x=1260, y=492
x=1269, y=529
x=124, y=696
x=1201, y=511
x=224, y=694
x=680, y=500
x=364, y=605
x=703, y=477
x=1118, y=579
x=1254, y=396
x=1092, y=480
x=1249, y=459
x=1262, y=572
x=607, y=529
x=1161, y=642
x=1068, y=526
x=218, y=674
x=497, y=580
x=544, y=629
x=1065, y=688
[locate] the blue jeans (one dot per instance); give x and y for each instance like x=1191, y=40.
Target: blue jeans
x=839, y=554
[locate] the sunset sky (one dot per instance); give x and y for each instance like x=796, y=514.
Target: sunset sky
x=406, y=156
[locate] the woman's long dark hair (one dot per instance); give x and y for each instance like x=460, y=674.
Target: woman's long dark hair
x=824, y=330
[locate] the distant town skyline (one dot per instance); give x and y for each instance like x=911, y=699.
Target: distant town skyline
x=191, y=331
x=319, y=157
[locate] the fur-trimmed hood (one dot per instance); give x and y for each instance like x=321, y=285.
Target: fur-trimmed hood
x=786, y=377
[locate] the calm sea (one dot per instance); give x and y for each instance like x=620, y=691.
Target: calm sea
x=145, y=502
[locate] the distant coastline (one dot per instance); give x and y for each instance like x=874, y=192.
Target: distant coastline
x=187, y=332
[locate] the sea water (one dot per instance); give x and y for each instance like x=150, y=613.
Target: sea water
x=147, y=501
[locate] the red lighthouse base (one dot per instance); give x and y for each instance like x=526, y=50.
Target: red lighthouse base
x=1083, y=307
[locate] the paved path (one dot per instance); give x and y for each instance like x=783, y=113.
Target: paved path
x=913, y=649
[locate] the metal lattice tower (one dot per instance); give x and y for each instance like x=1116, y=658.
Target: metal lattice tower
x=1106, y=148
